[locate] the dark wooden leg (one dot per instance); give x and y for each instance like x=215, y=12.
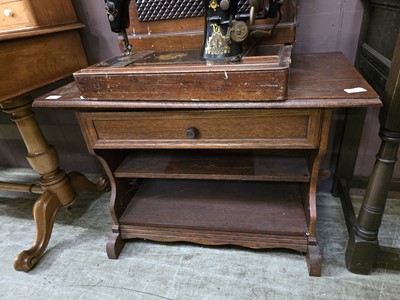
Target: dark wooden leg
x=115, y=244
x=121, y=194
x=388, y=258
x=122, y=191
x=59, y=190
x=347, y=205
x=314, y=258
x=363, y=243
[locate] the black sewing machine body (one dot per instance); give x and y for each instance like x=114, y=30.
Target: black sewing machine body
x=226, y=28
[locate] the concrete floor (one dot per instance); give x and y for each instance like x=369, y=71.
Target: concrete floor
x=75, y=265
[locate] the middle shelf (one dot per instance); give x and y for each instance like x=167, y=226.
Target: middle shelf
x=255, y=165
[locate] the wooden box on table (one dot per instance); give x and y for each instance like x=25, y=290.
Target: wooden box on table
x=166, y=62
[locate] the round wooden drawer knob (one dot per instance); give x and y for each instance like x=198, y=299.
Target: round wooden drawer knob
x=8, y=12
x=192, y=132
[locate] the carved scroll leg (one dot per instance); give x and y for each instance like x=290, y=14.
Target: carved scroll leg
x=314, y=258
x=43, y=159
x=44, y=213
x=115, y=243
x=80, y=183
x=58, y=193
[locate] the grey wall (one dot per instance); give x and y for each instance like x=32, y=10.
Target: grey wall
x=323, y=25
x=99, y=42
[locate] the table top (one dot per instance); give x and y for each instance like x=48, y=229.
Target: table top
x=322, y=80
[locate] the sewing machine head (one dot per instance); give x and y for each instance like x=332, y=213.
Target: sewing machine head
x=227, y=27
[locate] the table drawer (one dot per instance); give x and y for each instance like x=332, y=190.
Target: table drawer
x=13, y=15
x=275, y=128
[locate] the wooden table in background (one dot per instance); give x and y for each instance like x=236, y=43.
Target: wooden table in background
x=39, y=44
x=363, y=250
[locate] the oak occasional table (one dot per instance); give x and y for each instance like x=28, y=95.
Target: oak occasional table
x=216, y=173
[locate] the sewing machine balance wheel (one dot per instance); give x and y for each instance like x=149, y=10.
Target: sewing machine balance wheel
x=239, y=32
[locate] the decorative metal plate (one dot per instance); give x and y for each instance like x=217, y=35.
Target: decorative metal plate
x=155, y=10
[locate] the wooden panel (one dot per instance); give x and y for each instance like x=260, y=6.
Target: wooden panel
x=391, y=101
x=187, y=33
x=49, y=12
x=56, y=56
x=214, y=86
x=216, y=164
x=194, y=40
x=213, y=237
x=377, y=41
x=221, y=129
x=184, y=76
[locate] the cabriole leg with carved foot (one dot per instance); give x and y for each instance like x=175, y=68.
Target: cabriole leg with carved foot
x=44, y=213
x=59, y=190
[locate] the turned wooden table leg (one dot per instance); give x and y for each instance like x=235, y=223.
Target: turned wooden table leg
x=363, y=243
x=59, y=190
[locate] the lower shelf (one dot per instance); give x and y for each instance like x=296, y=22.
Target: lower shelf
x=250, y=214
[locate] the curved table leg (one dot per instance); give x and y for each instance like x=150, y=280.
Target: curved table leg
x=115, y=244
x=44, y=213
x=59, y=189
x=314, y=258
x=80, y=183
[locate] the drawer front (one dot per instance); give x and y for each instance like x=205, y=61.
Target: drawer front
x=13, y=15
x=275, y=128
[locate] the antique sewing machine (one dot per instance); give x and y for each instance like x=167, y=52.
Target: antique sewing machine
x=241, y=56
x=226, y=25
